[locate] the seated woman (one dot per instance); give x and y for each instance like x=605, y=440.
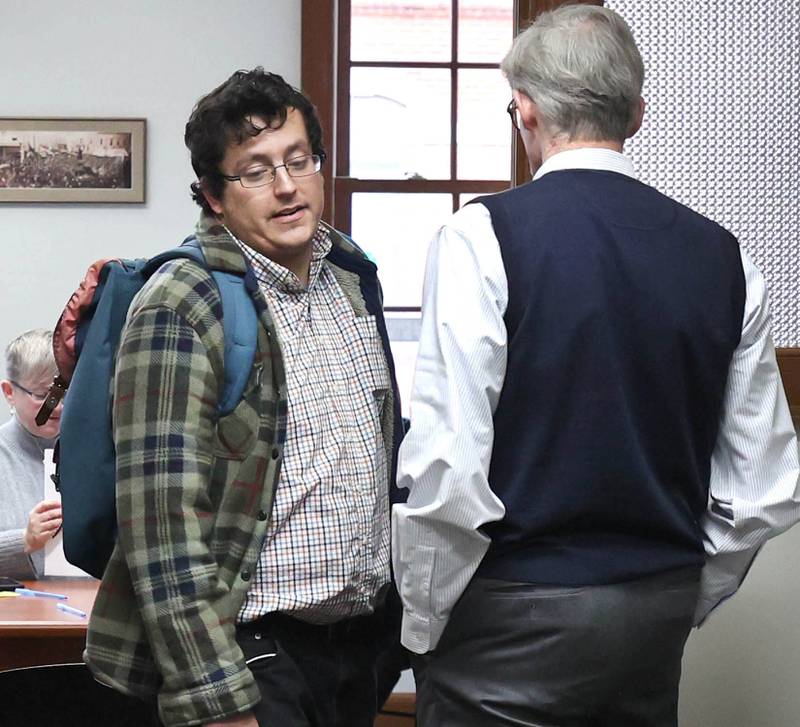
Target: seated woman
x=26, y=521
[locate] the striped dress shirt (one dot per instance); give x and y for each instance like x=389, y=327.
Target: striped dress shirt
x=461, y=365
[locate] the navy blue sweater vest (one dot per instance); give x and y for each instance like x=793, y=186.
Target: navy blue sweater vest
x=624, y=311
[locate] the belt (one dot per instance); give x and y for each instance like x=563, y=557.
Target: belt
x=358, y=627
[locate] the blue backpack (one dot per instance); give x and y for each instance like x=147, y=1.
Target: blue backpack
x=85, y=342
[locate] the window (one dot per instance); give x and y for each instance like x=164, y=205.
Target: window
x=413, y=115
x=420, y=125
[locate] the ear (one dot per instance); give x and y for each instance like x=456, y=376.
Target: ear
x=528, y=110
x=636, y=121
x=8, y=391
x=214, y=202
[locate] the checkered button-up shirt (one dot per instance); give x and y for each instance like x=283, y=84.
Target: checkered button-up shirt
x=326, y=553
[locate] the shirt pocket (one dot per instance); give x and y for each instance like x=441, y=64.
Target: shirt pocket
x=369, y=362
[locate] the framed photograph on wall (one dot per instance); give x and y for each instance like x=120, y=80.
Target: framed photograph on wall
x=72, y=160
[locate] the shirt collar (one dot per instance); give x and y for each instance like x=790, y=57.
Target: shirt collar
x=606, y=160
x=268, y=272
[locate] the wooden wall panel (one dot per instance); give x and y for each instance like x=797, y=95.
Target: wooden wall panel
x=318, y=78
x=789, y=363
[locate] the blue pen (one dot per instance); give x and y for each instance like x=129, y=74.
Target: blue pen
x=69, y=609
x=40, y=594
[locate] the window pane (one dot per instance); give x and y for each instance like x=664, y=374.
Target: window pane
x=485, y=30
x=393, y=30
x=405, y=359
x=399, y=123
x=404, y=329
x=396, y=229
x=484, y=129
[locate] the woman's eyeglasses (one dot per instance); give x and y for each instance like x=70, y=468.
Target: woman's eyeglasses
x=38, y=398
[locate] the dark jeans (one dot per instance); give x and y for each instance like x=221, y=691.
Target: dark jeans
x=543, y=656
x=314, y=676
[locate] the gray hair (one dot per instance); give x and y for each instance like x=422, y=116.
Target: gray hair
x=30, y=355
x=581, y=66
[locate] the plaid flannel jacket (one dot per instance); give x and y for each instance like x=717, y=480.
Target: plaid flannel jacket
x=194, y=494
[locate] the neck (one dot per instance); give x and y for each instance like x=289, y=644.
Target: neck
x=300, y=264
x=301, y=268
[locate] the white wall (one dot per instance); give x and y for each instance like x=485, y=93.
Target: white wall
x=151, y=59
x=740, y=668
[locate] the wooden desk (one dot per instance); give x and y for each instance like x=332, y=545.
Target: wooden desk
x=398, y=711
x=33, y=631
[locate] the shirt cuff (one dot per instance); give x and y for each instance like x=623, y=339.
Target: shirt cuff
x=420, y=635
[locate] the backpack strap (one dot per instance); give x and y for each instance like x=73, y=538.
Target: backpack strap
x=239, y=322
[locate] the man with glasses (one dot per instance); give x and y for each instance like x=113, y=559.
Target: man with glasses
x=599, y=442
x=252, y=570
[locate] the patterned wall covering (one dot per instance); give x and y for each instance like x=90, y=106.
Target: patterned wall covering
x=721, y=128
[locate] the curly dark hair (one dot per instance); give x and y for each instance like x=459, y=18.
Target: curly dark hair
x=222, y=117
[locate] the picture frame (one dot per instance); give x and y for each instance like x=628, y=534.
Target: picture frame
x=72, y=160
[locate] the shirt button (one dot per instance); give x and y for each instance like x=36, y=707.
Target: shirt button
x=257, y=636
x=262, y=515
x=245, y=575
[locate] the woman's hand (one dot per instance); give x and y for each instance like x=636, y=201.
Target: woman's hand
x=43, y=523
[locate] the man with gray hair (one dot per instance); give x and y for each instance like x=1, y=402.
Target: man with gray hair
x=600, y=442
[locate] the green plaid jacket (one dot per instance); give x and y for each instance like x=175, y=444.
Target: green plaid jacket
x=194, y=494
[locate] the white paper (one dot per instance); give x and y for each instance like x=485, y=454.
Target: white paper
x=55, y=564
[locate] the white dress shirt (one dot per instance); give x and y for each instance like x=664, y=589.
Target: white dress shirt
x=461, y=366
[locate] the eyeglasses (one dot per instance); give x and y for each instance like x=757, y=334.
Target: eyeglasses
x=302, y=166
x=38, y=398
x=513, y=112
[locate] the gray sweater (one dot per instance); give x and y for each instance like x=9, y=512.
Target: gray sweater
x=21, y=487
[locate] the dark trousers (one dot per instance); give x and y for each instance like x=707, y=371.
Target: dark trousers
x=542, y=656
x=314, y=676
